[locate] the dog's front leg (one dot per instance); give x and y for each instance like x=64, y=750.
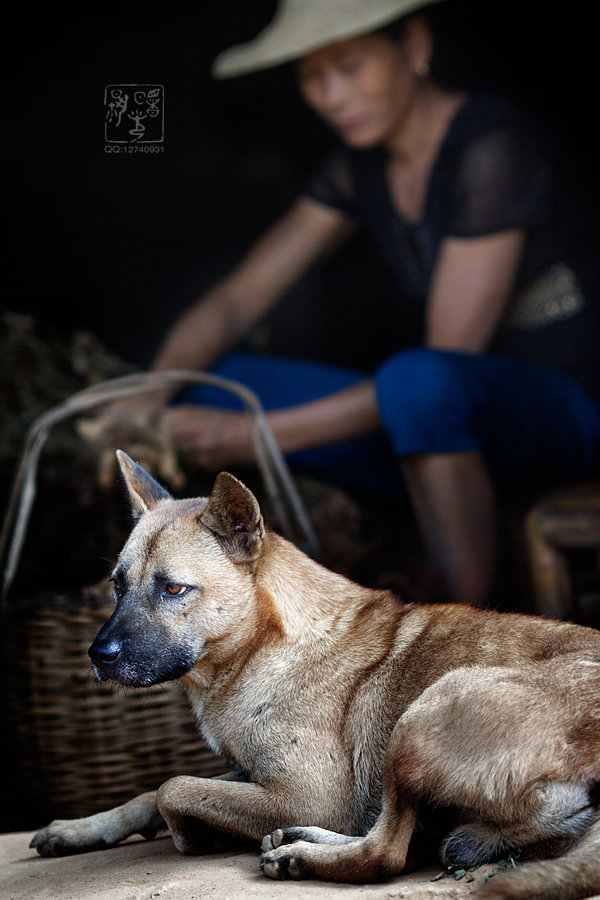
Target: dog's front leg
x=242, y=810
x=102, y=830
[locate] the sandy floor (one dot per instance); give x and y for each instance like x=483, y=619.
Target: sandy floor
x=140, y=870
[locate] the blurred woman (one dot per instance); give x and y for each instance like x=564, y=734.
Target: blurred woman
x=463, y=199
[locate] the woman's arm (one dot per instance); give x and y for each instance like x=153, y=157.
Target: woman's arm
x=229, y=310
x=215, y=438
x=470, y=289
x=213, y=324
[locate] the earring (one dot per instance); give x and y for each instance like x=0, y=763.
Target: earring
x=422, y=69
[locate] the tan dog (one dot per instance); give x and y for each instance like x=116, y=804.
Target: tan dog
x=347, y=716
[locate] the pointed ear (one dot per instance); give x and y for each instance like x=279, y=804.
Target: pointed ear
x=233, y=514
x=144, y=492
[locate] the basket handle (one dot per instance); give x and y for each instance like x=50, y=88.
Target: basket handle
x=269, y=458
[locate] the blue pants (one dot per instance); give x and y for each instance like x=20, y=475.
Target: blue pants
x=534, y=427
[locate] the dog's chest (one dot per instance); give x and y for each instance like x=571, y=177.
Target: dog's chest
x=261, y=718
x=244, y=730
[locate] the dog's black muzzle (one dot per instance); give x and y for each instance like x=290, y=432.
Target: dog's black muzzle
x=125, y=651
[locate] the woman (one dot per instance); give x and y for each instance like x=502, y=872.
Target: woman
x=459, y=194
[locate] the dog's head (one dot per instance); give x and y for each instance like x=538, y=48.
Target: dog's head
x=184, y=582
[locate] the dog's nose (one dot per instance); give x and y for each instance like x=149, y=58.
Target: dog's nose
x=104, y=653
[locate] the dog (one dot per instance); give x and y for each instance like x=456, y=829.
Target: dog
x=353, y=723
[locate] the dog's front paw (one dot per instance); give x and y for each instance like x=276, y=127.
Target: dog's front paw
x=272, y=841
x=280, y=861
x=282, y=865
x=63, y=838
x=301, y=852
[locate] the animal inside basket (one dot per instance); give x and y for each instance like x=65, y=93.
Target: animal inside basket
x=77, y=745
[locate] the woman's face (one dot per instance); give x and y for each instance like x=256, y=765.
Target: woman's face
x=363, y=88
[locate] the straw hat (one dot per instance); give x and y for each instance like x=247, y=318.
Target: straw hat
x=301, y=26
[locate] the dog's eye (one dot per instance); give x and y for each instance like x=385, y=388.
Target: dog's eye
x=175, y=590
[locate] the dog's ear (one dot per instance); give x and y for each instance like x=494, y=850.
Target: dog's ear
x=144, y=492
x=233, y=514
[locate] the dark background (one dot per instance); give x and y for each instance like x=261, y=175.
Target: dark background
x=118, y=244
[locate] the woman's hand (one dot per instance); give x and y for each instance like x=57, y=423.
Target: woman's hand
x=133, y=425
x=215, y=438
x=209, y=437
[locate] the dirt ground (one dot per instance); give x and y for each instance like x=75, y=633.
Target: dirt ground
x=140, y=870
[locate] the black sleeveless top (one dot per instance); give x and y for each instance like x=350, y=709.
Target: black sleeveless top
x=494, y=171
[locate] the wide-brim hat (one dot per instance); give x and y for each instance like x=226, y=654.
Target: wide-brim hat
x=301, y=26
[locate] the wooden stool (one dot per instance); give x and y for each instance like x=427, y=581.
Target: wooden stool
x=564, y=520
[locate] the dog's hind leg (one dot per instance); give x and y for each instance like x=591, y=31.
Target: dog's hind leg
x=570, y=877
x=102, y=830
x=472, y=845
x=461, y=744
x=381, y=853
x=556, y=816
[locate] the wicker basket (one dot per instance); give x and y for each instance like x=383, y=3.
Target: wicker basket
x=79, y=746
